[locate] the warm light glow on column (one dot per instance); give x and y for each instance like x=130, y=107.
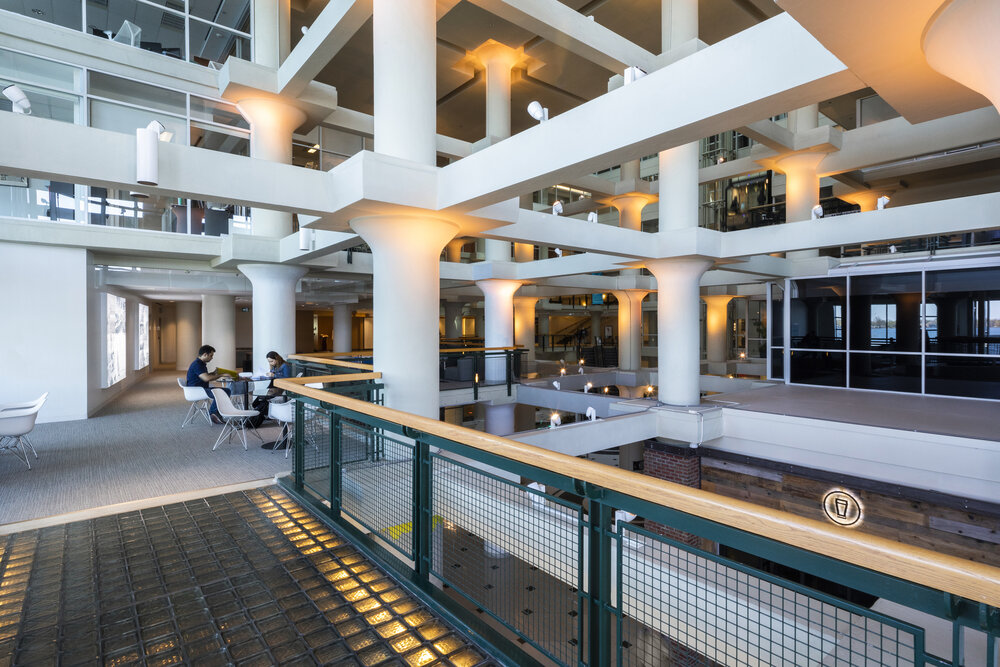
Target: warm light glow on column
x=342, y=320
x=188, y=333
x=273, y=309
x=677, y=318
x=866, y=199
x=218, y=327
x=801, y=184
x=630, y=210
x=524, y=252
x=272, y=123
x=406, y=252
x=679, y=187
x=497, y=59
x=499, y=308
x=524, y=324
x=960, y=42
x=453, y=251
x=405, y=93
x=630, y=328
x=715, y=328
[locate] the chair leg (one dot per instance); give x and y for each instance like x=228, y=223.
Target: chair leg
x=225, y=429
x=24, y=454
x=241, y=427
x=203, y=407
x=255, y=432
x=190, y=414
x=25, y=438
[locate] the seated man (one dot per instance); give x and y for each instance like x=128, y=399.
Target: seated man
x=198, y=376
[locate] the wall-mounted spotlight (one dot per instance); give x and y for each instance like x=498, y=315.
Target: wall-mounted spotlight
x=816, y=211
x=19, y=101
x=592, y=216
x=147, y=152
x=306, y=237
x=592, y=414
x=537, y=111
x=558, y=252
x=882, y=202
x=555, y=420
x=557, y=207
x=633, y=74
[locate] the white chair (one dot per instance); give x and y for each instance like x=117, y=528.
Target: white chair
x=200, y=401
x=284, y=414
x=236, y=419
x=15, y=425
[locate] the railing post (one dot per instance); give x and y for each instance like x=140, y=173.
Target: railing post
x=336, y=456
x=422, y=519
x=298, y=444
x=599, y=579
x=508, y=355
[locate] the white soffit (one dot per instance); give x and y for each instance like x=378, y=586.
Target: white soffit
x=881, y=43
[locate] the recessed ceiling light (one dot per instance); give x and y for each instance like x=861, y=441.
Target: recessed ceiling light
x=38, y=12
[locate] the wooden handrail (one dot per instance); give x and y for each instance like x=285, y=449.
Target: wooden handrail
x=340, y=377
x=333, y=355
x=480, y=349
x=951, y=574
x=331, y=362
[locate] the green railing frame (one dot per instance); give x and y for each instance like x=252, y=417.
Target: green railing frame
x=599, y=607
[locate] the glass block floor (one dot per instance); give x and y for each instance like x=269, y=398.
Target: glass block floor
x=247, y=578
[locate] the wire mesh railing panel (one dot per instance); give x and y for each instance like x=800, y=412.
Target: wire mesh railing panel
x=377, y=482
x=316, y=450
x=513, y=551
x=684, y=606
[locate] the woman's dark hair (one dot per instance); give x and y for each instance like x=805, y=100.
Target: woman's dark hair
x=274, y=355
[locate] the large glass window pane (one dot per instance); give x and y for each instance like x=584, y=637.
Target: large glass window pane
x=822, y=368
x=65, y=12
x=885, y=312
x=777, y=310
x=886, y=372
x=162, y=31
x=217, y=112
x=116, y=208
x=233, y=14
x=817, y=313
x=37, y=199
x=48, y=104
x=965, y=307
x=22, y=68
x=974, y=377
x=117, y=118
x=306, y=156
x=212, y=44
x=777, y=363
x=219, y=139
x=139, y=94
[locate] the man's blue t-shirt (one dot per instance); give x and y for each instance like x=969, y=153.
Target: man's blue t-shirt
x=196, y=368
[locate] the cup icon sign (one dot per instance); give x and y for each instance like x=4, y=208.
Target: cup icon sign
x=842, y=508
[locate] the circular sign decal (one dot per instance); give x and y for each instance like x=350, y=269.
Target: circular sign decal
x=842, y=508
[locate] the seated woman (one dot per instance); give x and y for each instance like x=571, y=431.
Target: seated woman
x=279, y=369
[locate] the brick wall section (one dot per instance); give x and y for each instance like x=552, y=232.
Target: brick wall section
x=678, y=465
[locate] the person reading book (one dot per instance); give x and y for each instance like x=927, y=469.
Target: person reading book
x=198, y=375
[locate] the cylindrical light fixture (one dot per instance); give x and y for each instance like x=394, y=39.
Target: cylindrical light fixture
x=147, y=153
x=305, y=238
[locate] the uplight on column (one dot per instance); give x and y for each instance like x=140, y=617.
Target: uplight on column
x=147, y=152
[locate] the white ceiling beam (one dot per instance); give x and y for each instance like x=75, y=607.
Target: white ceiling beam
x=568, y=28
x=328, y=34
x=782, y=67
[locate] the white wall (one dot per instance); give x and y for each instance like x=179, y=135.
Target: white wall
x=45, y=334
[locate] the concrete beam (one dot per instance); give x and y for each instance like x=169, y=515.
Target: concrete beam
x=327, y=35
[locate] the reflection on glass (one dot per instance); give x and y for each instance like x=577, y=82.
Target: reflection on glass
x=817, y=313
x=974, y=377
x=777, y=363
x=821, y=368
x=777, y=310
x=65, y=13
x=885, y=312
x=162, y=31
x=211, y=44
x=119, y=118
x=217, y=112
x=886, y=372
x=139, y=94
x=235, y=15
x=304, y=155
x=22, y=68
x=233, y=142
x=965, y=311
x=50, y=104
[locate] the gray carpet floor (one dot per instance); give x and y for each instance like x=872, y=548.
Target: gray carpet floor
x=134, y=449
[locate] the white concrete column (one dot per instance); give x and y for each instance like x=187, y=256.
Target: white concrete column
x=271, y=32
x=524, y=325
x=500, y=418
x=630, y=328
x=405, y=93
x=630, y=209
x=716, y=323
x=497, y=59
x=406, y=272
x=342, y=319
x=453, y=251
x=629, y=171
x=678, y=344
x=218, y=327
x=273, y=309
x=497, y=250
x=453, y=319
x=188, y=333
x=678, y=23
x=499, y=309
x=679, y=187
x=272, y=123
x=961, y=44
x=801, y=191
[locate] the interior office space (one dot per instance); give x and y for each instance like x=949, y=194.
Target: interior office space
x=736, y=193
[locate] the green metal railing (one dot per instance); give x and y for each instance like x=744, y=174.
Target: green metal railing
x=544, y=574
x=482, y=367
